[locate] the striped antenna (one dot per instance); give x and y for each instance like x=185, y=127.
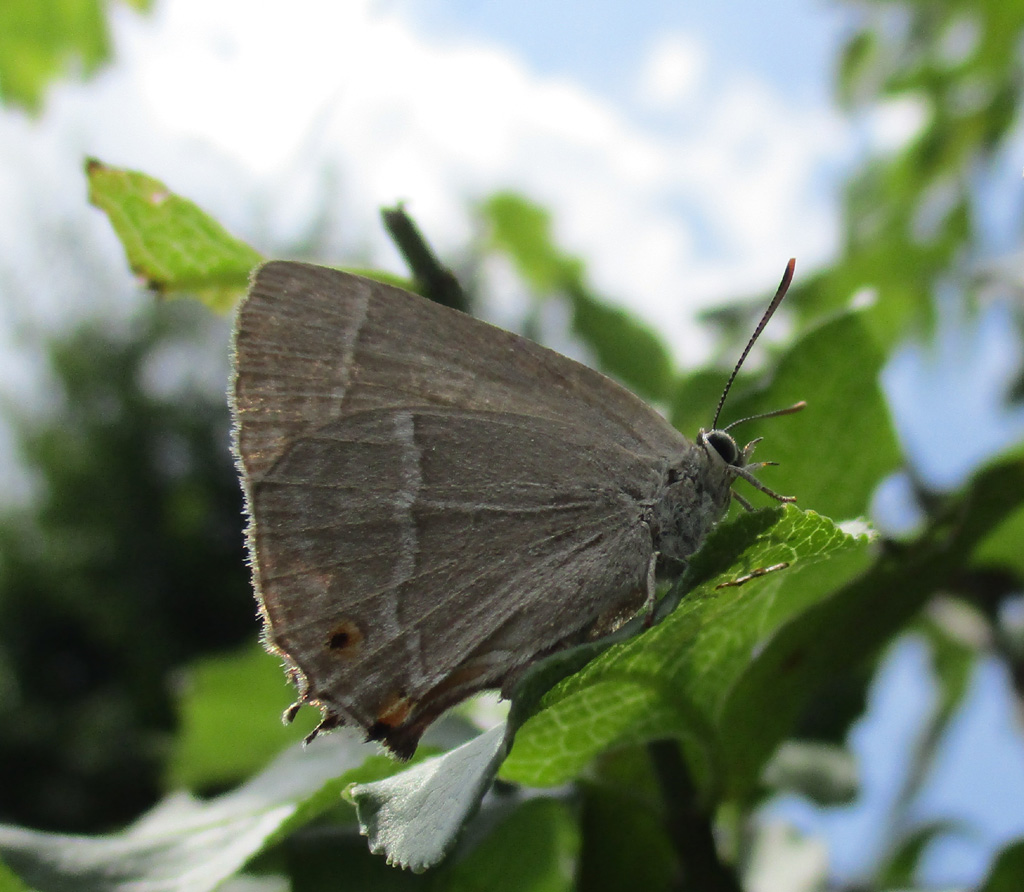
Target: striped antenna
x=787, y=277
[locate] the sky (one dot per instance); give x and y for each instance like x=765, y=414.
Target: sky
x=686, y=152
x=681, y=175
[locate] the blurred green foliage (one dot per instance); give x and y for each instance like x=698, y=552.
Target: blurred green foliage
x=624, y=347
x=42, y=41
x=127, y=566
x=912, y=218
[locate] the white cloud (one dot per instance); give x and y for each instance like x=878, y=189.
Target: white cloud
x=673, y=72
x=248, y=108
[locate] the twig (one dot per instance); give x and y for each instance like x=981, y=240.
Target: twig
x=689, y=828
x=436, y=281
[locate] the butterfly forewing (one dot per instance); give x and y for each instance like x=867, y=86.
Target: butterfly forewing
x=314, y=344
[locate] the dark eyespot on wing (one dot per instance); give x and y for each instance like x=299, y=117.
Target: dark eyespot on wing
x=346, y=639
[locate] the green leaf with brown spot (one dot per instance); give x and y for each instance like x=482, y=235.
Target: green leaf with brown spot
x=171, y=244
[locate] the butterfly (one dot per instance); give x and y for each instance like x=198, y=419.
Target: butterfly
x=435, y=503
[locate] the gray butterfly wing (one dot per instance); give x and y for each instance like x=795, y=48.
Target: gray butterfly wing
x=429, y=511
x=313, y=343
x=409, y=558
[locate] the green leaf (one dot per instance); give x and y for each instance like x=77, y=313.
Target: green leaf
x=729, y=671
x=625, y=839
x=230, y=708
x=170, y=243
x=624, y=347
x=509, y=824
x=833, y=454
x=1000, y=550
x=834, y=367
x=624, y=843
x=535, y=849
x=337, y=858
x=855, y=67
x=43, y=41
x=522, y=230
x=185, y=845
x=414, y=817
x=1007, y=873
x=9, y=882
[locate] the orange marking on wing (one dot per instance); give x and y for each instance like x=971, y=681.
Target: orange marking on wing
x=395, y=710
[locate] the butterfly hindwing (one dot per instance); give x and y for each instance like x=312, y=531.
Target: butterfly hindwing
x=398, y=550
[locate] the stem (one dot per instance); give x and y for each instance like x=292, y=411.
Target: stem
x=689, y=828
x=436, y=281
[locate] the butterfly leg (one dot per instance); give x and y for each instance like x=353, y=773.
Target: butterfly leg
x=652, y=590
x=741, y=500
x=753, y=574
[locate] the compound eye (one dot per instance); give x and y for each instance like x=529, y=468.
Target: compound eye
x=726, y=447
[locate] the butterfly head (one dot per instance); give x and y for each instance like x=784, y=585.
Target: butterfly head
x=721, y=444
x=722, y=450
x=718, y=444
